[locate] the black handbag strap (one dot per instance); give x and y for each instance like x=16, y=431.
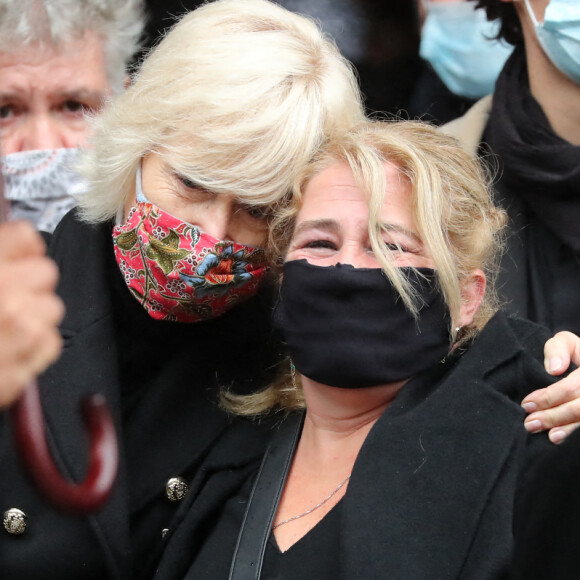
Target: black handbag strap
x=263, y=503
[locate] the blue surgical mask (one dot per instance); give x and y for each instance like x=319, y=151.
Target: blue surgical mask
x=559, y=35
x=456, y=40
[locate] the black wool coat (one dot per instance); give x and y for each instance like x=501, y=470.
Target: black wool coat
x=165, y=432
x=547, y=523
x=432, y=492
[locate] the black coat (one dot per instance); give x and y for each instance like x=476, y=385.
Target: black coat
x=163, y=432
x=548, y=516
x=432, y=492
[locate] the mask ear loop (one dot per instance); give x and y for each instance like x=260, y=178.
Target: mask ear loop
x=139, y=185
x=139, y=195
x=531, y=14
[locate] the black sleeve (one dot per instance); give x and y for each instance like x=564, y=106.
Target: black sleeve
x=547, y=515
x=525, y=373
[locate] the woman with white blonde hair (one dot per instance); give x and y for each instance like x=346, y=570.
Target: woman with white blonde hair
x=164, y=271
x=235, y=100
x=400, y=443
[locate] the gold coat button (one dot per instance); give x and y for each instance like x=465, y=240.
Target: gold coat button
x=176, y=489
x=15, y=521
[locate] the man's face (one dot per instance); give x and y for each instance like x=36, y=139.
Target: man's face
x=44, y=92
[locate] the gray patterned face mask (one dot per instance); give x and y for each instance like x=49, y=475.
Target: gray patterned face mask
x=41, y=184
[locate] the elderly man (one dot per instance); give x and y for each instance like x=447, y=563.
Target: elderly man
x=59, y=61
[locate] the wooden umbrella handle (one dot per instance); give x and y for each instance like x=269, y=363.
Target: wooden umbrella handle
x=79, y=498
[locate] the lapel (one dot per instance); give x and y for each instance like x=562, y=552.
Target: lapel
x=441, y=452
x=177, y=425
x=221, y=475
x=87, y=365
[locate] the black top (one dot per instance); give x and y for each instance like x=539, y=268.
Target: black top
x=315, y=555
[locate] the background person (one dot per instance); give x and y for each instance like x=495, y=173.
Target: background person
x=59, y=62
x=408, y=459
x=462, y=59
x=165, y=281
x=532, y=128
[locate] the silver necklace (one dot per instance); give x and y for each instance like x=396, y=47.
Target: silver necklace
x=340, y=485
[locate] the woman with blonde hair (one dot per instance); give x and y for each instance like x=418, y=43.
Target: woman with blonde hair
x=164, y=272
x=397, y=438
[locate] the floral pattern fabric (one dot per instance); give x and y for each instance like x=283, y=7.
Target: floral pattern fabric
x=179, y=273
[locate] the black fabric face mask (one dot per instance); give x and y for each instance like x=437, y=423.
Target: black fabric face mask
x=348, y=327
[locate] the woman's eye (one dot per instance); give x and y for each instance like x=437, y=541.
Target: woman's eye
x=258, y=212
x=320, y=244
x=398, y=248
x=188, y=182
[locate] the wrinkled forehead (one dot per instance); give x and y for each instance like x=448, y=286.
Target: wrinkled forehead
x=372, y=183
x=78, y=65
x=335, y=194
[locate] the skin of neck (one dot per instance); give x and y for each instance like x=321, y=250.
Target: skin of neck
x=337, y=420
x=558, y=95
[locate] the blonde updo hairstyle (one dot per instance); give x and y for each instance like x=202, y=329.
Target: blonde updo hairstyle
x=237, y=98
x=453, y=213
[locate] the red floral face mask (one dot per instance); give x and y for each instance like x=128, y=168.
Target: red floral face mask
x=180, y=273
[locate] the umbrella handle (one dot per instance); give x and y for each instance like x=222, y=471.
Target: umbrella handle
x=79, y=498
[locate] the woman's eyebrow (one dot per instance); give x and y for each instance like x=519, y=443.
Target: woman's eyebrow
x=399, y=229
x=328, y=225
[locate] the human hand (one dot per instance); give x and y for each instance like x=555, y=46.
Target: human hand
x=30, y=311
x=557, y=407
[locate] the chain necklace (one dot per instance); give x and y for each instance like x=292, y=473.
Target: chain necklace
x=318, y=505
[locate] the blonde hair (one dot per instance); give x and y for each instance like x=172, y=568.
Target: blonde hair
x=237, y=97
x=452, y=209
x=118, y=23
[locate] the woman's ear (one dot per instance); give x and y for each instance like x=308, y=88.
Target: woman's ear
x=472, y=292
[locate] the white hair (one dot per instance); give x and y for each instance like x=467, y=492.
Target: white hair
x=237, y=97
x=118, y=23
